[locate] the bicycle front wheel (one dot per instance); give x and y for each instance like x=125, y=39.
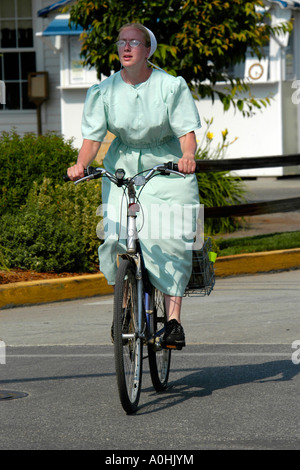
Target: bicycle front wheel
x=159, y=358
x=127, y=344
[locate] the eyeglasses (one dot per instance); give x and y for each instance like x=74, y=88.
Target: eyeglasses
x=132, y=43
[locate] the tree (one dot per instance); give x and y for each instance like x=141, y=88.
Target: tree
x=197, y=39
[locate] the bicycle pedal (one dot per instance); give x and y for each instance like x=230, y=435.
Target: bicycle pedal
x=177, y=347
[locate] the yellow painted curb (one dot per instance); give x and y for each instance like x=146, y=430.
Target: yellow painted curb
x=52, y=290
x=37, y=292
x=262, y=262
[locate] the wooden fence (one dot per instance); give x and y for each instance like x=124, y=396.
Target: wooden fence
x=269, y=207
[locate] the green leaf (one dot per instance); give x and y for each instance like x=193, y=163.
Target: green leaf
x=240, y=105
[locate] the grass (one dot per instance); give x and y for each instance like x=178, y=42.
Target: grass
x=269, y=242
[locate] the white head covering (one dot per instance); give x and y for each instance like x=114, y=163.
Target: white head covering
x=153, y=42
x=153, y=48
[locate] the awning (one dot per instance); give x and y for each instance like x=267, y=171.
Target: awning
x=286, y=4
x=60, y=27
x=54, y=6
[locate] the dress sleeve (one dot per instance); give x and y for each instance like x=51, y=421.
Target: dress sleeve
x=183, y=113
x=94, y=123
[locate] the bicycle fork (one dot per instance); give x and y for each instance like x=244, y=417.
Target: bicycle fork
x=140, y=329
x=139, y=282
x=133, y=208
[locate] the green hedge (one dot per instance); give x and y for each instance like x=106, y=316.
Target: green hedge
x=41, y=242
x=27, y=159
x=46, y=224
x=220, y=189
x=55, y=230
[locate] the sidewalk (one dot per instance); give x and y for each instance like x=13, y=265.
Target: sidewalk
x=270, y=189
x=35, y=292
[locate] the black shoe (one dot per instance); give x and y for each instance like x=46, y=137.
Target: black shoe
x=174, y=335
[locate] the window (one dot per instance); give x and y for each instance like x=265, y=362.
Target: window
x=77, y=73
x=17, y=55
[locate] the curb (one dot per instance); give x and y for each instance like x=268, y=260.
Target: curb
x=53, y=290
x=262, y=262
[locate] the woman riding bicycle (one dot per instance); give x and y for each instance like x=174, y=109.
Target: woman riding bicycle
x=153, y=116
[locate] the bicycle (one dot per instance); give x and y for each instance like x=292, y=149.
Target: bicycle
x=139, y=308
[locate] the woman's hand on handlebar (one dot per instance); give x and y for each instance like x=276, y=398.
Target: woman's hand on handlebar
x=187, y=164
x=86, y=155
x=76, y=172
x=188, y=145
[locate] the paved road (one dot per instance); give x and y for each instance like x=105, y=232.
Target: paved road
x=234, y=386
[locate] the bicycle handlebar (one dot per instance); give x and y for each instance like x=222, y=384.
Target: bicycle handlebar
x=94, y=173
x=86, y=173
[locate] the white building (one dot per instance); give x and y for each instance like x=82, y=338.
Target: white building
x=35, y=36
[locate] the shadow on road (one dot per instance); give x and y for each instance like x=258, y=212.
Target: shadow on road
x=201, y=382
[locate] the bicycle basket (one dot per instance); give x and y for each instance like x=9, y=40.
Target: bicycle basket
x=202, y=279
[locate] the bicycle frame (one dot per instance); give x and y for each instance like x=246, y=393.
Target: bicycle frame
x=133, y=252
x=139, y=308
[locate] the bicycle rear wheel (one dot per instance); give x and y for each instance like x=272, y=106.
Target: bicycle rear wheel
x=128, y=346
x=159, y=358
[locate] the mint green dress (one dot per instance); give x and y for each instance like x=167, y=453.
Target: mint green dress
x=147, y=120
